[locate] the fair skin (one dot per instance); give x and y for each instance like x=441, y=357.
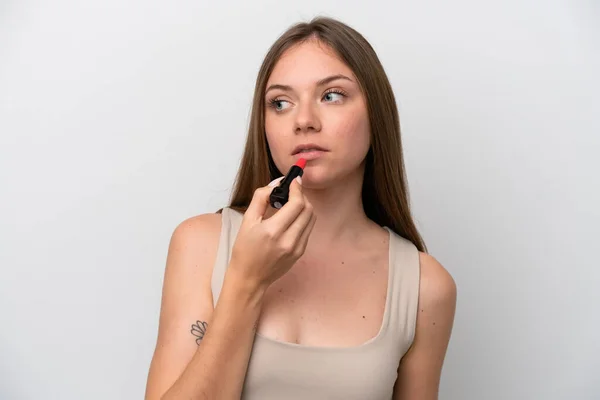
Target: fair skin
x=340, y=257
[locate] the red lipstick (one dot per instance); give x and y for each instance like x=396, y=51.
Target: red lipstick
x=280, y=194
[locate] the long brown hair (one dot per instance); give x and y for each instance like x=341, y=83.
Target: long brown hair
x=385, y=192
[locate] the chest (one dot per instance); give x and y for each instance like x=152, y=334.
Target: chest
x=335, y=301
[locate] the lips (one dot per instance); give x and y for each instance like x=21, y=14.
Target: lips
x=307, y=148
x=308, y=151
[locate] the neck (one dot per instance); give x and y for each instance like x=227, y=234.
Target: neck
x=340, y=213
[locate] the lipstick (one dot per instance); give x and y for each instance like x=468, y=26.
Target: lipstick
x=279, y=195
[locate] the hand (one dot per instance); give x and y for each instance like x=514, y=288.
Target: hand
x=267, y=247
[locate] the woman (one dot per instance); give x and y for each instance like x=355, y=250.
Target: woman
x=332, y=296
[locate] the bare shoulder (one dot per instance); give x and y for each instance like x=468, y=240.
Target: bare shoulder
x=437, y=286
x=192, y=249
x=421, y=367
x=200, y=231
x=187, y=303
x=190, y=259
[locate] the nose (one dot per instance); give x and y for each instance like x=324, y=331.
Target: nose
x=307, y=119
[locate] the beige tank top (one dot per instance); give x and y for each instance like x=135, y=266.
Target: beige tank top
x=280, y=370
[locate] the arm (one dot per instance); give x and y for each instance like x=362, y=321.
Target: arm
x=421, y=367
x=213, y=365
x=264, y=250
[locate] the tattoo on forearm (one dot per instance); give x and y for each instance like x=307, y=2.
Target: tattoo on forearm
x=198, y=330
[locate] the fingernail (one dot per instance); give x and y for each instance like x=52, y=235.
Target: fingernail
x=275, y=182
x=299, y=179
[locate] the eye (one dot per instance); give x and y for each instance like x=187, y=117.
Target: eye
x=333, y=96
x=278, y=104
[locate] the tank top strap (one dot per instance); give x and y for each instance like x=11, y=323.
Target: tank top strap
x=404, y=276
x=404, y=259
x=231, y=221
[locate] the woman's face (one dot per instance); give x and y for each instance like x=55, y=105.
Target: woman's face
x=314, y=100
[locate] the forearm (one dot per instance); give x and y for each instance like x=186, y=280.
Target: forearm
x=218, y=368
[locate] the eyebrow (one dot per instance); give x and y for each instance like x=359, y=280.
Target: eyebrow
x=321, y=82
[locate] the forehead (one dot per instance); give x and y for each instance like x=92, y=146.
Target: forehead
x=306, y=63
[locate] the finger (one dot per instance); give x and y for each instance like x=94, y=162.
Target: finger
x=276, y=181
x=259, y=204
x=282, y=220
x=298, y=226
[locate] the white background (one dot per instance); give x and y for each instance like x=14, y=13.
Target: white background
x=119, y=119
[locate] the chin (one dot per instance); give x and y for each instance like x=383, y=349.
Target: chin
x=318, y=177
x=315, y=179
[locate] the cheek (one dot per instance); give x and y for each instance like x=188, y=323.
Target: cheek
x=354, y=135
x=276, y=141
x=271, y=130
